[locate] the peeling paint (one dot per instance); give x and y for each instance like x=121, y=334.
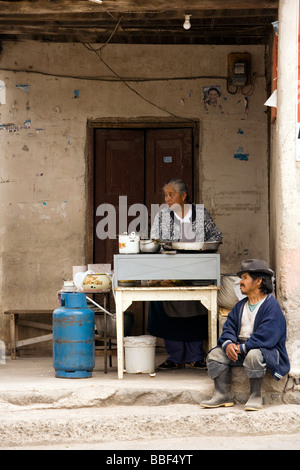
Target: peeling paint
x=11, y=127
x=2, y=92
x=240, y=155
x=244, y=252
x=61, y=209
x=24, y=87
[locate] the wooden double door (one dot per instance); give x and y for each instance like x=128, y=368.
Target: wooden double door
x=131, y=166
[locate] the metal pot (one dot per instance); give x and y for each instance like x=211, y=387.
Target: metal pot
x=111, y=324
x=129, y=243
x=149, y=246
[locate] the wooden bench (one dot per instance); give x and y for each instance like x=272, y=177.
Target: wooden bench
x=105, y=350
x=14, y=329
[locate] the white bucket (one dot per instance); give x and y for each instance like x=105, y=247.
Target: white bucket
x=2, y=353
x=140, y=354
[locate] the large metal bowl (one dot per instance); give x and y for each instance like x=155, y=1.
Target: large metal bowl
x=187, y=246
x=211, y=246
x=195, y=246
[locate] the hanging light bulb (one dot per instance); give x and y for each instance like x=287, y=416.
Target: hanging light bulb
x=187, y=22
x=96, y=1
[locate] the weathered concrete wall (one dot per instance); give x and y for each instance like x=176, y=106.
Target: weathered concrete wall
x=43, y=145
x=286, y=189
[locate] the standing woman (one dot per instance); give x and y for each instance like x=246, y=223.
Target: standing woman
x=182, y=324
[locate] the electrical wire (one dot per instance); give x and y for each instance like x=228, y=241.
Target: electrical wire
x=126, y=81
x=111, y=36
x=98, y=53
x=114, y=79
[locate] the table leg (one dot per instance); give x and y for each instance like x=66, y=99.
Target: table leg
x=212, y=325
x=120, y=333
x=13, y=321
x=105, y=335
x=210, y=302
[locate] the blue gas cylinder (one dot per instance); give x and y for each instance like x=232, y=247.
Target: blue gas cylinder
x=73, y=337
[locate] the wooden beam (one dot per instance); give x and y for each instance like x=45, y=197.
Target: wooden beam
x=35, y=324
x=37, y=339
x=39, y=7
x=156, y=22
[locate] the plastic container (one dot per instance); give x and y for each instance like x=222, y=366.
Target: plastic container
x=140, y=354
x=129, y=243
x=69, y=286
x=2, y=353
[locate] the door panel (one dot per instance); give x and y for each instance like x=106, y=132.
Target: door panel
x=169, y=154
x=118, y=171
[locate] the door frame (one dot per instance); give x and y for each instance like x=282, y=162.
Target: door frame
x=157, y=123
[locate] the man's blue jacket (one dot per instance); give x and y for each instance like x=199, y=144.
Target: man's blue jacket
x=269, y=334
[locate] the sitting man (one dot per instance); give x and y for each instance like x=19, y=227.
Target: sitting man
x=253, y=335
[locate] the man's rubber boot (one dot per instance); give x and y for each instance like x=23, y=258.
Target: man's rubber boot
x=221, y=396
x=255, y=400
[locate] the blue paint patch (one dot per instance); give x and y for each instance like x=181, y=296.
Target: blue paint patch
x=240, y=155
x=76, y=93
x=240, y=131
x=24, y=87
x=44, y=203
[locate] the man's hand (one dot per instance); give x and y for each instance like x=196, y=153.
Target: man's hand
x=232, y=351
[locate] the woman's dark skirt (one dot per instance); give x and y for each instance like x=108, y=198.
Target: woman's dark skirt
x=192, y=328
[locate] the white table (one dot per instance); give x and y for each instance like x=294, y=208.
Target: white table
x=124, y=296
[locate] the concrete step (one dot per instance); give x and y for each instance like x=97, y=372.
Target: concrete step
x=38, y=409
x=142, y=423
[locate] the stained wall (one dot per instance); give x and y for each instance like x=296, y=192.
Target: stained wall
x=53, y=90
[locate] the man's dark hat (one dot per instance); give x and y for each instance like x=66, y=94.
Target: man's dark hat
x=255, y=266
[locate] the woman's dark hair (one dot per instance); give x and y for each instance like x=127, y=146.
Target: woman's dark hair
x=266, y=282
